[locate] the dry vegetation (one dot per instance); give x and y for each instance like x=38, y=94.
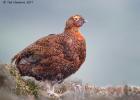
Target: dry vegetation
x=13, y=87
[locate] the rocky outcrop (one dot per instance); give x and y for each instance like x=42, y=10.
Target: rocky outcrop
x=14, y=87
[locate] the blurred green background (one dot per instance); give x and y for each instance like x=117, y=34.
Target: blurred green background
x=112, y=34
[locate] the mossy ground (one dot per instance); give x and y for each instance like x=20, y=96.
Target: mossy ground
x=23, y=87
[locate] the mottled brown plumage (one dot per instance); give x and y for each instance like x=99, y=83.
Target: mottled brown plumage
x=56, y=56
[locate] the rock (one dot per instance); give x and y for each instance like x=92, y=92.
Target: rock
x=6, y=80
x=14, y=87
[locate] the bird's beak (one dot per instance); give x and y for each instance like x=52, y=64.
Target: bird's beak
x=85, y=21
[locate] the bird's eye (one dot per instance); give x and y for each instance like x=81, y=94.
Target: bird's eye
x=76, y=18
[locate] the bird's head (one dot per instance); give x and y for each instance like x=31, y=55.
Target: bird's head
x=75, y=21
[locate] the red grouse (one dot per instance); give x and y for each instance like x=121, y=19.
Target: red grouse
x=56, y=56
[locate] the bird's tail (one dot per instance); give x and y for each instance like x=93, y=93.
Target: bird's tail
x=15, y=59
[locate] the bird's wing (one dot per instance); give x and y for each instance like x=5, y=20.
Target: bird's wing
x=82, y=52
x=42, y=48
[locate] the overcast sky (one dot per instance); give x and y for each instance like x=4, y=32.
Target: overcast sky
x=112, y=34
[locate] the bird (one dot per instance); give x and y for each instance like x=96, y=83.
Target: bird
x=56, y=56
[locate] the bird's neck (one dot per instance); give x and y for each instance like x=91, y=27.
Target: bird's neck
x=74, y=31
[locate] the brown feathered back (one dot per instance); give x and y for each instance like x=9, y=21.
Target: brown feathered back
x=53, y=57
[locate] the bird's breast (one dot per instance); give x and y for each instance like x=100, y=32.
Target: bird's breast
x=70, y=41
